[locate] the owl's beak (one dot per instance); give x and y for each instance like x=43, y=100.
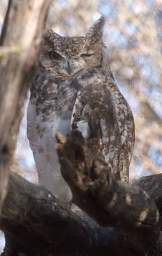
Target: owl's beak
x=68, y=68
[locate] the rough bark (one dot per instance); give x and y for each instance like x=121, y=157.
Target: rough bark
x=21, y=32
x=128, y=216
x=35, y=223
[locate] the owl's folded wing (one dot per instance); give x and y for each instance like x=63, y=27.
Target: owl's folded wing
x=95, y=116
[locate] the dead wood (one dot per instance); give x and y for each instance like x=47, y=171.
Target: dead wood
x=127, y=218
x=35, y=223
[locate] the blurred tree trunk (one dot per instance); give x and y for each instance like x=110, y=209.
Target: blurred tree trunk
x=24, y=23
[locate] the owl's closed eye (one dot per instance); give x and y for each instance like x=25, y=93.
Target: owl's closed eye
x=66, y=56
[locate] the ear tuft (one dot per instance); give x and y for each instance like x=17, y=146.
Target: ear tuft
x=50, y=36
x=95, y=32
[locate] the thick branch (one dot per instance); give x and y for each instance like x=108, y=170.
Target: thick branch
x=23, y=25
x=153, y=186
x=44, y=227
x=36, y=224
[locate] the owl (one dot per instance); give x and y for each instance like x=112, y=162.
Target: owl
x=72, y=80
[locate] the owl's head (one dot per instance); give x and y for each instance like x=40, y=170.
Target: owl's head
x=66, y=56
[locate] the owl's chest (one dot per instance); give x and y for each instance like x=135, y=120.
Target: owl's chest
x=50, y=108
x=52, y=97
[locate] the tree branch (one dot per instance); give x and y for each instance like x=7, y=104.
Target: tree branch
x=44, y=227
x=35, y=223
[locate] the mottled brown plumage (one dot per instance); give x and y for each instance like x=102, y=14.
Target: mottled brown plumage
x=74, y=88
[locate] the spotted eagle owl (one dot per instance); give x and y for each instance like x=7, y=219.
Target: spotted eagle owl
x=72, y=79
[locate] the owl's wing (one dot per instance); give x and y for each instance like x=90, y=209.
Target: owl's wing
x=95, y=115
